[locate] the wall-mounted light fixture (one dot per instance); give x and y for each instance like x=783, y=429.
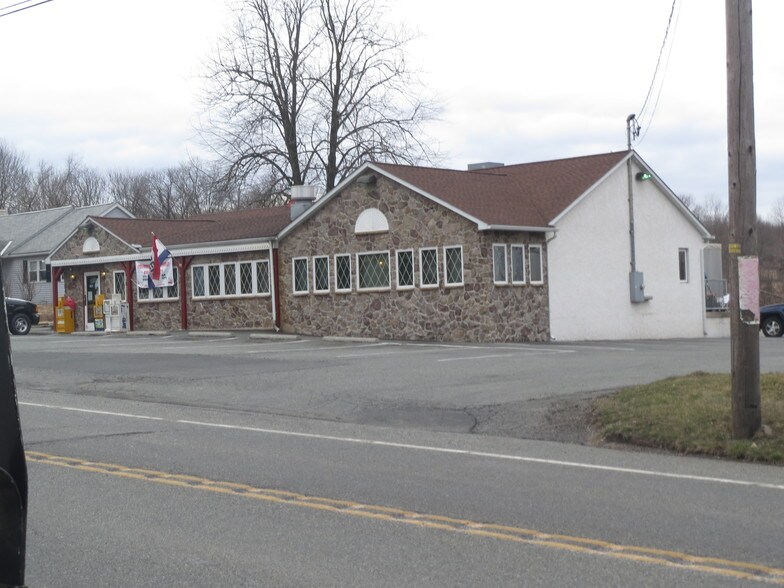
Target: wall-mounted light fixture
x=643, y=176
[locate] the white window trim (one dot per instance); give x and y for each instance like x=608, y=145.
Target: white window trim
x=315, y=283
x=505, y=281
x=511, y=263
x=294, y=276
x=422, y=285
x=447, y=283
x=40, y=271
x=222, y=277
x=350, y=275
x=389, y=276
x=685, y=252
x=255, y=265
x=165, y=298
x=541, y=264
x=124, y=293
x=397, y=270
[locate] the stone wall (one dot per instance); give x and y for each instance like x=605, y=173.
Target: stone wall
x=247, y=312
x=477, y=311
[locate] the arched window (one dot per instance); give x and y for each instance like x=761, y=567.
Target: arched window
x=371, y=220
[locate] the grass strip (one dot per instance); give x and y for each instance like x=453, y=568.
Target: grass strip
x=692, y=414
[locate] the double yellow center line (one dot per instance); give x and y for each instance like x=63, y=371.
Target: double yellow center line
x=674, y=559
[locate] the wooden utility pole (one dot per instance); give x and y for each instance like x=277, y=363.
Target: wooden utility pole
x=744, y=273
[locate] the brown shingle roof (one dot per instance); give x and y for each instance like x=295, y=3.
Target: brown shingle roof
x=530, y=194
x=256, y=223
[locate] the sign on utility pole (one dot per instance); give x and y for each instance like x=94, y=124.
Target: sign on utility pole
x=744, y=268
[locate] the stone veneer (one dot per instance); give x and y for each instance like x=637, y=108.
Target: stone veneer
x=478, y=311
x=216, y=313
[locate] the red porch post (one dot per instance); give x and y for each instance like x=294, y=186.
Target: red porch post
x=183, y=263
x=276, y=287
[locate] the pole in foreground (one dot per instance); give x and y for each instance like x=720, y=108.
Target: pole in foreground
x=744, y=271
x=13, y=469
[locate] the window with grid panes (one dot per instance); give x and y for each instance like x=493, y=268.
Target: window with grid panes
x=300, y=275
x=262, y=277
x=535, y=263
x=198, y=281
x=428, y=268
x=372, y=270
x=453, y=266
x=518, y=264
x=36, y=271
x=499, y=264
x=321, y=274
x=233, y=279
x=167, y=293
x=343, y=273
x=213, y=280
x=119, y=284
x=405, y=269
x=229, y=279
x=246, y=277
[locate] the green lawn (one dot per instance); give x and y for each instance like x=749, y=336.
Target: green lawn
x=691, y=414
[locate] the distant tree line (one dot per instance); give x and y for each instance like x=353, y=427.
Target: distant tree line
x=714, y=214
x=192, y=187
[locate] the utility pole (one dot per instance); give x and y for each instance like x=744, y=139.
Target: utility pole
x=744, y=269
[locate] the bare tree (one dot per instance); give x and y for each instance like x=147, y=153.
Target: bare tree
x=14, y=176
x=307, y=90
x=133, y=191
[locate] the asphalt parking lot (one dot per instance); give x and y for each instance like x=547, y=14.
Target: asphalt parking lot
x=516, y=390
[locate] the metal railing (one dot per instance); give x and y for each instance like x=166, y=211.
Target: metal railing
x=716, y=297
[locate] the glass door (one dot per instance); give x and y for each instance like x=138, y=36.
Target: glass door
x=92, y=287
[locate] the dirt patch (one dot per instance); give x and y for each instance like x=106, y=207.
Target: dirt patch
x=566, y=419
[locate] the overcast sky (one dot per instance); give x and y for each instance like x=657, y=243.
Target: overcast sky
x=117, y=83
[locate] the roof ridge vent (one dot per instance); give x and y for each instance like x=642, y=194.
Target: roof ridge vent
x=484, y=165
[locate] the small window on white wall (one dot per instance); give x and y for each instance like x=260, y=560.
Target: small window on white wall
x=683, y=265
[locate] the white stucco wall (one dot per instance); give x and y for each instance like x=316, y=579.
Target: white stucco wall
x=590, y=257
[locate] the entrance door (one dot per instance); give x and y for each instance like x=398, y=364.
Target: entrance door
x=92, y=287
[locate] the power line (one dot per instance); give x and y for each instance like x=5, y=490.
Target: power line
x=656, y=70
x=21, y=9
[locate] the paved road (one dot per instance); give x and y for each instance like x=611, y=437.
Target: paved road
x=185, y=461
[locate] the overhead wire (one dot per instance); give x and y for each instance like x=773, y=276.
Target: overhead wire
x=656, y=77
x=21, y=9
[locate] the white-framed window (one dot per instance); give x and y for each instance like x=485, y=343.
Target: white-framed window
x=518, y=263
x=118, y=280
x=343, y=273
x=499, y=264
x=36, y=271
x=683, y=264
x=405, y=269
x=321, y=274
x=373, y=270
x=453, y=265
x=535, y=264
x=231, y=279
x=300, y=275
x=428, y=268
x=167, y=293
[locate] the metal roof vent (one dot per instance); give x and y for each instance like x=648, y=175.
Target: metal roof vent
x=484, y=165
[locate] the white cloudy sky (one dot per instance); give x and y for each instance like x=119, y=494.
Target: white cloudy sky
x=117, y=83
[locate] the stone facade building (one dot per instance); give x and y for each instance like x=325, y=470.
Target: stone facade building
x=421, y=272
x=519, y=253
x=223, y=274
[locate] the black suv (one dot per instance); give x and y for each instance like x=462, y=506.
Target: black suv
x=22, y=315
